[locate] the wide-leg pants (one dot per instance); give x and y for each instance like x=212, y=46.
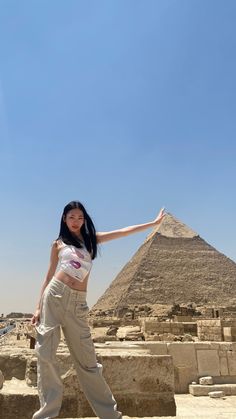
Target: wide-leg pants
x=67, y=308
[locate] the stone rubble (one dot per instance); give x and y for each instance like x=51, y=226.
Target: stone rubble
x=206, y=380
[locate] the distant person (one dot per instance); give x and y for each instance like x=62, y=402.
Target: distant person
x=62, y=304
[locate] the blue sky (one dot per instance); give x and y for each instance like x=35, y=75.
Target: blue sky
x=126, y=106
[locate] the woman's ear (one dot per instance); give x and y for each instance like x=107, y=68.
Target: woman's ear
x=64, y=218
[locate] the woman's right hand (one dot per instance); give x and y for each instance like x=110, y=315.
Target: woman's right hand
x=36, y=316
x=160, y=216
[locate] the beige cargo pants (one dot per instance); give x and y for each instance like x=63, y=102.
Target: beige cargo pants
x=67, y=308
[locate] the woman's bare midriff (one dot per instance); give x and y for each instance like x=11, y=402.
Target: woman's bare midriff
x=72, y=282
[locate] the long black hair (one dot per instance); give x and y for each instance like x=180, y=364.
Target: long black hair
x=87, y=230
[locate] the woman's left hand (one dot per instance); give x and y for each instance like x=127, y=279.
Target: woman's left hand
x=160, y=216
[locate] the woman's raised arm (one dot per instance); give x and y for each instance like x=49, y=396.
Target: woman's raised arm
x=116, y=234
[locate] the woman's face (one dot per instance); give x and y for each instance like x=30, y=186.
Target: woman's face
x=74, y=220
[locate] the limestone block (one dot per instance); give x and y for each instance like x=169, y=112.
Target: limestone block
x=141, y=384
x=210, y=329
x=206, y=380
x=202, y=345
x=149, y=326
x=177, y=330
x=233, y=390
x=212, y=322
x=198, y=390
x=140, y=373
x=233, y=331
x=183, y=354
x=31, y=372
x=166, y=329
x=177, y=325
x=216, y=394
x=13, y=406
x=22, y=406
x=233, y=346
x=215, y=329
x=227, y=330
x=13, y=366
x=72, y=407
x=215, y=345
x=208, y=362
x=184, y=359
x=224, y=370
x=1, y=379
x=204, y=390
x=123, y=332
x=183, y=377
x=227, y=338
x=211, y=336
x=156, y=348
x=131, y=403
x=135, y=405
x=229, y=334
x=222, y=354
x=183, y=318
x=136, y=374
x=231, y=362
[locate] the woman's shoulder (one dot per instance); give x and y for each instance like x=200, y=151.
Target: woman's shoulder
x=57, y=245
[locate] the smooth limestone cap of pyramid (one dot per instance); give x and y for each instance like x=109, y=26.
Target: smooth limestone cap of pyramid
x=172, y=227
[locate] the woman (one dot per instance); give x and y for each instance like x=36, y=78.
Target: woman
x=62, y=304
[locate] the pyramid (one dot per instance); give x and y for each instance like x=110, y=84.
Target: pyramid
x=173, y=265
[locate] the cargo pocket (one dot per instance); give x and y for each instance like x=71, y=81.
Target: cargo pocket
x=81, y=310
x=48, y=339
x=88, y=351
x=55, y=293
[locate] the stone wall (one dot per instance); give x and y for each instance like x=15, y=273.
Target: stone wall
x=151, y=328
x=193, y=360
x=156, y=330
x=210, y=330
x=216, y=330
x=143, y=385
x=144, y=378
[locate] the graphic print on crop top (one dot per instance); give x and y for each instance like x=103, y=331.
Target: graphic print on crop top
x=75, y=262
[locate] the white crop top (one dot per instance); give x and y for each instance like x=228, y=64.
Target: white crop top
x=75, y=261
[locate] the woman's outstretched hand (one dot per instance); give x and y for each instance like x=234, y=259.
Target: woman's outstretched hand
x=160, y=216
